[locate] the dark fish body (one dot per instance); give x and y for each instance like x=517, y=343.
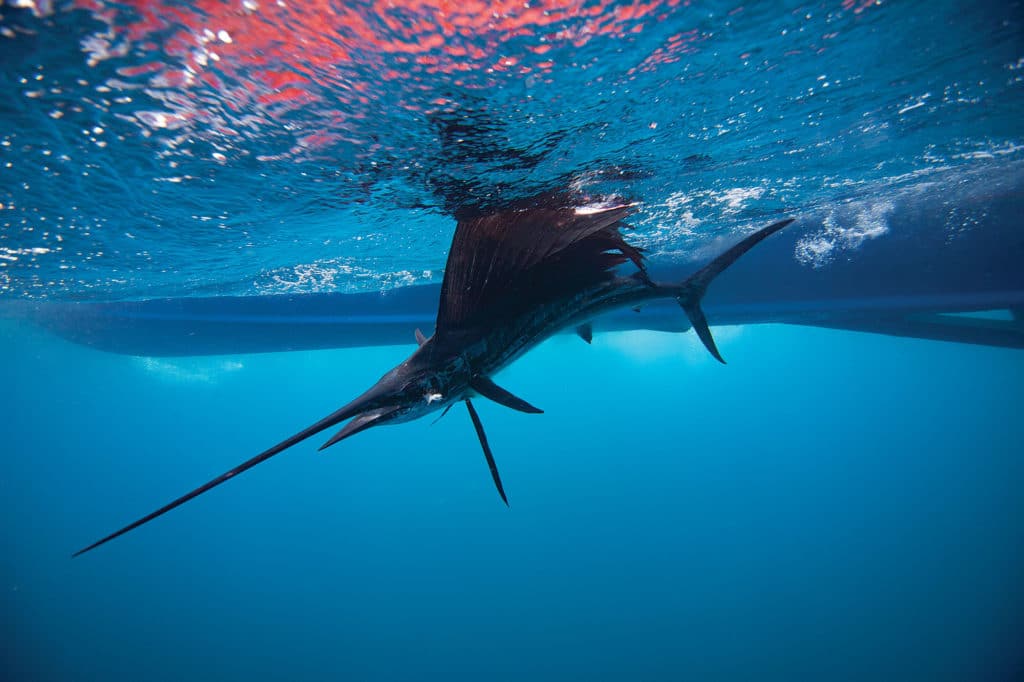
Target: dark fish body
x=487, y=351
x=449, y=364
x=507, y=343
x=513, y=279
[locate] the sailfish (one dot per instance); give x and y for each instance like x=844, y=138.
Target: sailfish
x=514, y=277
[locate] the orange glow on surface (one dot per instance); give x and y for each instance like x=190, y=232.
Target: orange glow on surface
x=280, y=57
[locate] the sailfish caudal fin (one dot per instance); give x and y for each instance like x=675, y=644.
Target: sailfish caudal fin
x=695, y=286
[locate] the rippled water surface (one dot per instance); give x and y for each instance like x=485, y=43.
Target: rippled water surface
x=255, y=147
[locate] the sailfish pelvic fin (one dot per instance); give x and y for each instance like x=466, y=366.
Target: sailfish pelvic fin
x=478, y=425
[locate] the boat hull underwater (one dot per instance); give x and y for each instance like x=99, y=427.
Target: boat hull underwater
x=908, y=275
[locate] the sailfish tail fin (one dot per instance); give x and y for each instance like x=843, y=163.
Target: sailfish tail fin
x=696, y=285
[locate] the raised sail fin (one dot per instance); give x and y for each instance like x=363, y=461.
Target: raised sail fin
x=506, y=263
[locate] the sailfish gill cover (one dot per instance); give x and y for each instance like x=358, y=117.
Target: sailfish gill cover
x=221, y=220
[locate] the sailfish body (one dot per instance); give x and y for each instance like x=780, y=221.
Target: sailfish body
x=513, y=278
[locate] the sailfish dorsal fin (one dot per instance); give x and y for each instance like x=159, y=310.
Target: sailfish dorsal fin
x=504, y=263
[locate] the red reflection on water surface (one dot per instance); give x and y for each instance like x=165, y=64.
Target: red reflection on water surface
x=284, y=54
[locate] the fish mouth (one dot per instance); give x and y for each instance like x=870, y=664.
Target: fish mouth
x=363, y=421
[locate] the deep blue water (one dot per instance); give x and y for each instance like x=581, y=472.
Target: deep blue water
x=828, y=506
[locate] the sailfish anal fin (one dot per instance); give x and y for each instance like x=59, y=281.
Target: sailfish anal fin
x=478, y=425
x=585, y=331
x=492, y=391
x=507, y=263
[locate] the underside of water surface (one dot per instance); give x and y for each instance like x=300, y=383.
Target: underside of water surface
x=220, y=221
x=237, y=148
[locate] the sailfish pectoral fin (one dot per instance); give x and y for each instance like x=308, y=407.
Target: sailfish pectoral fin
x=478, y=425
x=695, y=286
x=443, y=413
x=492, y=391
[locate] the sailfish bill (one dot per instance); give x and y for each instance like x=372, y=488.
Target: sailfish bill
x=325, y=423
x=513, y=278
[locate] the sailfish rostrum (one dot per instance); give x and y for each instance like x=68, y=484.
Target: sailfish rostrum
x=513, y=278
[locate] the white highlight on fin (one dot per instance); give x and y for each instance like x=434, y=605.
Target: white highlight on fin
x=591, y=209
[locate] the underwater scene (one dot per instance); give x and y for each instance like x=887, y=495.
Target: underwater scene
x=523, y=238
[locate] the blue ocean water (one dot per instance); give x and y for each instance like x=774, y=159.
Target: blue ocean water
x=210, y=149
x=828, y=506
